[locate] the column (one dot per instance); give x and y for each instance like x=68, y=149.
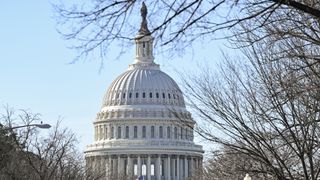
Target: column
x=200, y=169
x=119, y=166
x=174, y=168
x=185, y=167
x=149, y=167
x=139, y=166
x=103, y=166
x=178, y=168
x=106, y=164
x=158, y=170
x=110, y=167
x=129, y=166
x=197, y=164
x=191, y=167
x=168, y=168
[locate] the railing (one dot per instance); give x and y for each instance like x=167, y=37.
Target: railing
x=143, y=143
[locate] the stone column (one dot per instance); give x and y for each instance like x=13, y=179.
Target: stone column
x=178, y=168
x=174, y=168
x=191, y=166
x=158, y=170
x=149, y=167
x=185, y=167
x=110, y=168
x=139, y=166
x=200, y=168
x=129, y=166
x=168, y=168
x=119, y=166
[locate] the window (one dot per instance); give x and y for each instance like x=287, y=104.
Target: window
x=135, y=132
x=144, y=95
x=181, y=133
x=150, y=95
x=117, y=96
x=137, y=95
x=106, y=132
x=144, y=169
x=186, y=134
x=163, y=95
x=112, y=132
x=127, y=132
x=144, y=132
x=169, y=95
x=135, y=169
x=174, y=96
x=119, y=132
x=130, y=95
x=175, y=133
x=157, y=95
x=124, y=95
x=160, y=132
x=152, y=131
x=168, y=132
x=152, y=169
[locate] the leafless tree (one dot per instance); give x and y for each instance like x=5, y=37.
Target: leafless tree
x=229, y=164
x=94, y=25
x=264, y=109
x=42, y=156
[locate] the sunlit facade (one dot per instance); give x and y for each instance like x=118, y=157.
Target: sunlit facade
x=143, y=127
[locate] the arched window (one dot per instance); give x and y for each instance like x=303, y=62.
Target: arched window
x=169, y=95
x=168, y=132
x=119, y=132
x=175, y=133
x=135, y=132
x=144, y=95
x=150, y=95
x=130, y=95
x=112, y=132
x=160, y=132
x=163, y=95
x=157, y=95
x=152, y=131
x=137, y=95
x=127, y=132
x=144, y=131
x=124, y=95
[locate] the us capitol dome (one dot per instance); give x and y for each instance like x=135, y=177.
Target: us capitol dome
x=143, y=128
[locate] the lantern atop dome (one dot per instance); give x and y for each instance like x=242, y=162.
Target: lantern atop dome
x=144, y=45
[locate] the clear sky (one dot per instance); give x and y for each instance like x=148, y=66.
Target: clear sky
x=35, y=74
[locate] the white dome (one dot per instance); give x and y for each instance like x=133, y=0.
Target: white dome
x=143, y=86
x=143, y=123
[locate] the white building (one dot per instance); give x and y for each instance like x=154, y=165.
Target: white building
x=143, y=127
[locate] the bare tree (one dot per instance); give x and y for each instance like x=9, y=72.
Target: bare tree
x=96, y=24
x=41, y=157
x=262, y=109
x=229, y=164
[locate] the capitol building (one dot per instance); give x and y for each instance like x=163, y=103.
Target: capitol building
x=143, y=128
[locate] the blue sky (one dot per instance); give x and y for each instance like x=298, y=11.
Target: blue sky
x=35, y=73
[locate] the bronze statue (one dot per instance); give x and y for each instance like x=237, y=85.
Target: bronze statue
x=144, y=24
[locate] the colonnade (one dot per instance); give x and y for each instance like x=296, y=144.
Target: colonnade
x=150, y=166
